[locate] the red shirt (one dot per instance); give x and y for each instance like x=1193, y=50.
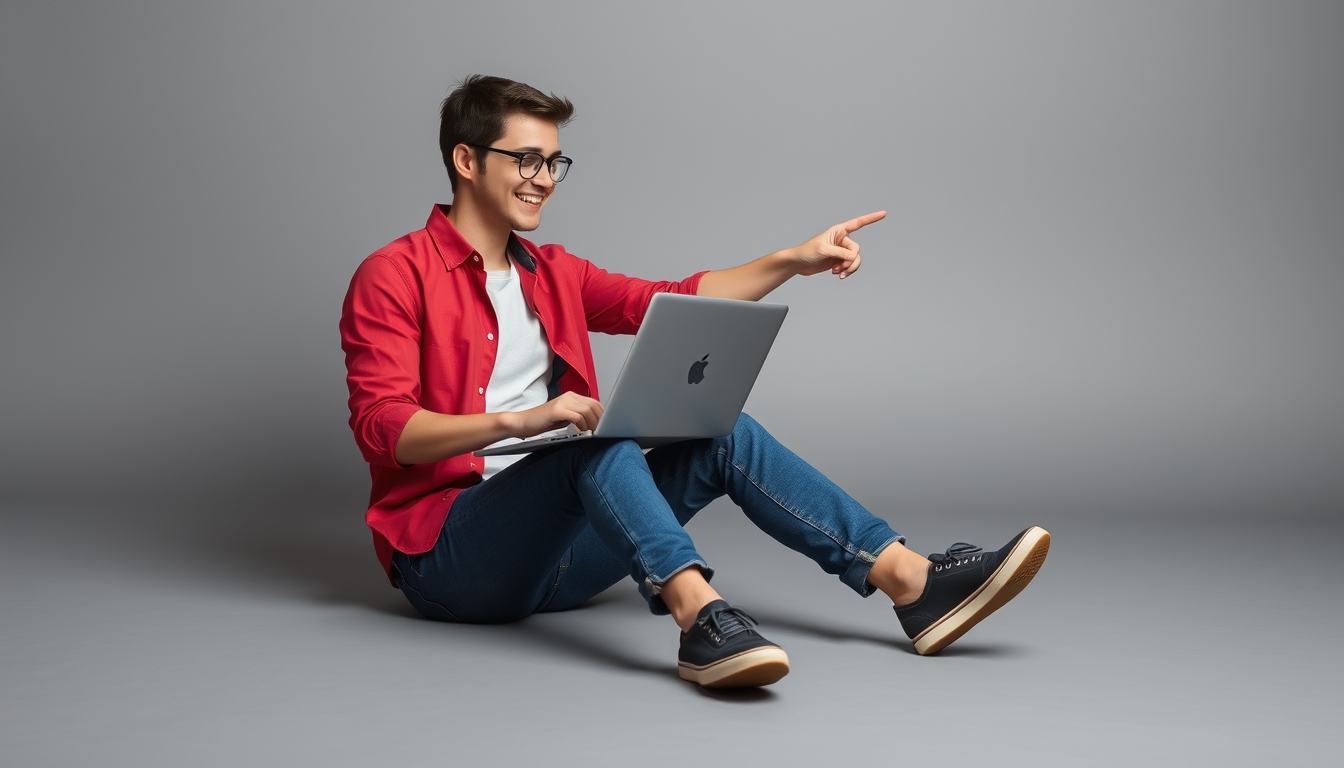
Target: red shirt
x=419, y=332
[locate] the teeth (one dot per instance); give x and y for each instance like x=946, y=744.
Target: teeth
x=533, y=199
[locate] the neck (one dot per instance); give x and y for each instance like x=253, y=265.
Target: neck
x=489, y=237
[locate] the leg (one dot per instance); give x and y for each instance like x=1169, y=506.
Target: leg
x=505, y=542
x=589, y=567
x=506, y=548
x=802, y=509
x=799, y=507
x=781, y=494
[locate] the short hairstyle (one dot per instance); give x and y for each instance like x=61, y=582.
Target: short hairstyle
x=475, y=112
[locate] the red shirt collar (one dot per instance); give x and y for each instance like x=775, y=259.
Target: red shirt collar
x=454, y=249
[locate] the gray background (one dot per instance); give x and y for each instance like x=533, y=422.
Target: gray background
x=1105, y=299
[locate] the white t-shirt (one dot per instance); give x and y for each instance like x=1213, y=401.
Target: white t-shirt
x=522, y=358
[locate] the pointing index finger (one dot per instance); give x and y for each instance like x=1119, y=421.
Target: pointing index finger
x=853, y=225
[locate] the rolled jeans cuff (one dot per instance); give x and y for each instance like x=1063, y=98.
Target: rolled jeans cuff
x=651, y=587
x=856, y=575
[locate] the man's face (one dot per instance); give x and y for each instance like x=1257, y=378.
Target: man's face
x=516, y=200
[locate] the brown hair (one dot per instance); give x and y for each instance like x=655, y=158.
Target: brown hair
x=475, y=112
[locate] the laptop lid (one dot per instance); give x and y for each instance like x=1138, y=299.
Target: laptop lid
x=691, y=368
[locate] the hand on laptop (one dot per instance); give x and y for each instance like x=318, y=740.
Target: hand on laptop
x=568, y=408
x=833, y=249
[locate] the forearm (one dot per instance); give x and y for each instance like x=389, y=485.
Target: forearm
x=751, y=281
x=429, y=437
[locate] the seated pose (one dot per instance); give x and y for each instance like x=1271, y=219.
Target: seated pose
x=461, y=335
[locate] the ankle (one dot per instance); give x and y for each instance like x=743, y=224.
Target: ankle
x=900, y=574
x=685, y=594
x=914, y=583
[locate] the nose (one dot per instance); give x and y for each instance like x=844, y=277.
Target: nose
x=543, y=179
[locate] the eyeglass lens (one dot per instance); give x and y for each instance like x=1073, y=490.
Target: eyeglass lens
x=530, y=165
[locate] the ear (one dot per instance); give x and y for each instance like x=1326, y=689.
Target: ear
x=464, y=162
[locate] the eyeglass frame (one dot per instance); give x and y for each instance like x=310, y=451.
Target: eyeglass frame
x=546, y=161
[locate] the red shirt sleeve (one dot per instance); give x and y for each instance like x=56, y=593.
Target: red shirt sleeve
x=616, y=303
x=380, y=334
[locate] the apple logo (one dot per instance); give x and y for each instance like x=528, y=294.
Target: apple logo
x=697, y=372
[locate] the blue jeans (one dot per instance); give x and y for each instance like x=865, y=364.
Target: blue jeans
x=562, y=525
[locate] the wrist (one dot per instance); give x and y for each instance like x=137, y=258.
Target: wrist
x=788, y=261
x=510, y=423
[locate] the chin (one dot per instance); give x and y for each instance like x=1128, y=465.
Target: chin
x=526, y=225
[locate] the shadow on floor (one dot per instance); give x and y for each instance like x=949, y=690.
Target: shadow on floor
x=832, y=633
x=317, y=562
x=823, y=631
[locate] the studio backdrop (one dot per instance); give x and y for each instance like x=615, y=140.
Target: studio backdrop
x=1109, y=281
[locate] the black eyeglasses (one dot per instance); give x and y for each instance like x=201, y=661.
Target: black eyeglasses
x=529, y=163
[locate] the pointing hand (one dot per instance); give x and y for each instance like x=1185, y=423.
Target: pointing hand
x=834, y=249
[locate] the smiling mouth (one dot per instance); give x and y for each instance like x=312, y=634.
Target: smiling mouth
x=530, y=199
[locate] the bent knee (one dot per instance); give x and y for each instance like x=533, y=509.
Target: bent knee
x=747, y=427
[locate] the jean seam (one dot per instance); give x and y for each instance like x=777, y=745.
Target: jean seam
x=421, y=596
x=797, y=513
x=865, y=588
x=555, y=585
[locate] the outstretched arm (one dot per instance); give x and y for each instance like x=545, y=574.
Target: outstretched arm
x=831, y=250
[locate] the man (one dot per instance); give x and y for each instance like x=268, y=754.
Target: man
x=462, y=335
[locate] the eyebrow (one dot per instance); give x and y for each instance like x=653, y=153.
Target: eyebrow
x=537, y=150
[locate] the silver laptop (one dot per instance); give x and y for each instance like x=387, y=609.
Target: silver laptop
x=687, y=376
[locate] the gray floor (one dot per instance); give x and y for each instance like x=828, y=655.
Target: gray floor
x=201, y=637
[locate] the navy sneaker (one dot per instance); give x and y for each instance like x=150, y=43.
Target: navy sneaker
x=966, y=584
x=722, y=650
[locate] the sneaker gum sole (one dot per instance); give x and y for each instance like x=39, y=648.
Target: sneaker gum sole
x=749, y=669
x=1012, y=576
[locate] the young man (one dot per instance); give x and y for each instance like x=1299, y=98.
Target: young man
x=462, y=335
